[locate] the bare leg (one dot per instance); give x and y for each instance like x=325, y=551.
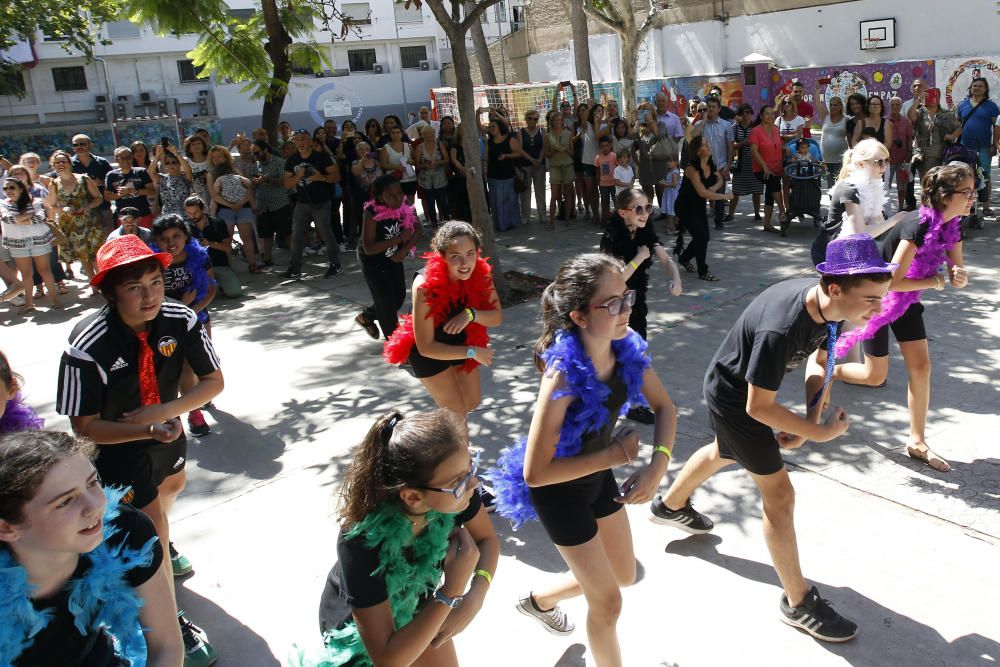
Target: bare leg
x=24, y=267
x=45, y=271
x=916, y=355
x=756, y=205
x=703, y=464
x=249, y=246
x=446, y=391
x=779, y=532
x=733, y=203
x=768, y=211
x=442, y=656
x=470, y=389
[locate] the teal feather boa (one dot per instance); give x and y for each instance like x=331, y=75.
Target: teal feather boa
x=101, y=599
x=411, y=567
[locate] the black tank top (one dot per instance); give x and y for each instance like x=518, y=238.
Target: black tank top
x=532, y=143
x=595, y=441
x=499, y=169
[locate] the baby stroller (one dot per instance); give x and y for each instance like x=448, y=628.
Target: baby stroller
x=804, y=178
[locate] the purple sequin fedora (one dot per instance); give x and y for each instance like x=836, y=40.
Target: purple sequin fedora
x=854, y=254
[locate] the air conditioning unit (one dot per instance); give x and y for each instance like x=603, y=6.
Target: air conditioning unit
x=206, y=103
x=425, y=65
x=145, y=98
x=100, y=99
x=379, y=68
x=339, y=72
x=166, y=107
x=124, y=107
x=103, y=110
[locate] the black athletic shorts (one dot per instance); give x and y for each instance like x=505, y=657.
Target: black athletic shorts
x=425, y=367
x=747, y=441
x=772, y=184
x=277, y=222
x=569, y=511
x=142, y=466
x=909, y=327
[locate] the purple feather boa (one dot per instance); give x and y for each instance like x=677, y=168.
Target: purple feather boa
x=585, y=414
x=942, y=235
x=19, y=416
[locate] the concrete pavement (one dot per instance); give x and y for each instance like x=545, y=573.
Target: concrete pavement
x=908, y=553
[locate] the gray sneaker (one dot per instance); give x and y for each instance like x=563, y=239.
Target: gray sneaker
x=554, y=620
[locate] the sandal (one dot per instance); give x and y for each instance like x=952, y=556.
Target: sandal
x=24, y=310
x=712, y=278
x=926, y=455
x=771, y=229
x=689, y=267
x=39, y=292
x=61, y=287
x=370, y=327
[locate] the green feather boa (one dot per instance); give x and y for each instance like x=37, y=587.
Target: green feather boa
x=411, y=567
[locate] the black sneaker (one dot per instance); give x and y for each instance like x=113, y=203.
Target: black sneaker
x=817, y=617
x=488, y=499
x=197, y=651
x=333, y=270
x=686, y=518
x=642, y=414
x=293, y=274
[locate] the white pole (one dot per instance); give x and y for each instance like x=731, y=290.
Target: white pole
x=399, y=55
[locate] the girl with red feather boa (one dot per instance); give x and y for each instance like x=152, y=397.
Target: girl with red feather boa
x=454, y=303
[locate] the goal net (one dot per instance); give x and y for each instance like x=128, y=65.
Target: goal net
x=517, y=98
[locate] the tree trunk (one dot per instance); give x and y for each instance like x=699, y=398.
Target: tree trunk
x=581, y=44
x=481, y=219
x=482, y=55
x=278, y=41
x=630, y=55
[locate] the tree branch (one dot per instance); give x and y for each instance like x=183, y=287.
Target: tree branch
x=474, y=15
x=611, y=20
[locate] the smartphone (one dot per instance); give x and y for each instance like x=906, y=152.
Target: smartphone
x=933, y=96
x=565, y=84
x=164, y=141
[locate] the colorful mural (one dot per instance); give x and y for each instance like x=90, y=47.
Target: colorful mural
x=45, y=140
x=883, y=79
x=955, y=74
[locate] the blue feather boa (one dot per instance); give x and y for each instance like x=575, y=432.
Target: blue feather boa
x=584, y=415
x=102, y=598
x=196, y=262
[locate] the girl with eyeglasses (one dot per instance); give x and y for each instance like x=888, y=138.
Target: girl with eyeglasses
x=593, y=369
x=416, y=552
x=858, y=198
x=920, y=245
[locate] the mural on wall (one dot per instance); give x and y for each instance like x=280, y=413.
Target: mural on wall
x=821, y=83
x=955, y=74
x=678, y=90
x=45, y=141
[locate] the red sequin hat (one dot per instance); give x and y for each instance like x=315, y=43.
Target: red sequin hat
x=123, y=250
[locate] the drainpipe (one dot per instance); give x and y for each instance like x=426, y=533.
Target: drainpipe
x=107, y=79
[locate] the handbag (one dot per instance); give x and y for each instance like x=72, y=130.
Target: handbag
x=60, y=238
x=520, y=180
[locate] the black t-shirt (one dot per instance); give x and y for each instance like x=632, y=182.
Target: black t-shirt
x=177, y=279
x=317, y=192
x=617, y=242
x=60, y=643
x=773, y=335
x=910, y=229
x=97, y=169
x=139, y=179
x=842, y=193
x=352, y=582
x=215, y=231
x=384, y=230
x=99, y=370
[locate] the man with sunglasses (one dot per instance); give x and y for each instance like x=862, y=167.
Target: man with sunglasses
x=85, y=162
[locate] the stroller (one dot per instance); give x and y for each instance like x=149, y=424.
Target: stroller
x=804, y=183
x=957, y=153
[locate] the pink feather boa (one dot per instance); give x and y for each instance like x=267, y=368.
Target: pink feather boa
x=942, y=235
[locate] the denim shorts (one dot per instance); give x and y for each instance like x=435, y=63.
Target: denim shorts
x=34, y=250
x=233, y=217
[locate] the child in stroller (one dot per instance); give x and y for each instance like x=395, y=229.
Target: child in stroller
x=804, y=170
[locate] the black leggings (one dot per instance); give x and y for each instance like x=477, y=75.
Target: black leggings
x=388, y=287
x=436, y=204
x=637, y=319
x=696, y=224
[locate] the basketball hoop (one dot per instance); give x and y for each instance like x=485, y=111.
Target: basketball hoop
x=871, y=43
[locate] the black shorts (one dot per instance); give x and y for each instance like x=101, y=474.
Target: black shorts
x=142, y=466
x=277, y=222
x=747, y=441
x=409, y=188
x=569, y=511
x=588, y=171
x=425, y=367
x=909, y=327
x=772, y=184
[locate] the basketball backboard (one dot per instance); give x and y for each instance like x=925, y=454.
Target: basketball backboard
x=878, y=34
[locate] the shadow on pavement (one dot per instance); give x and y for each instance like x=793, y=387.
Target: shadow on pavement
x=885, y=637
x=236, y=643
x=247, y=450
x=573, y=657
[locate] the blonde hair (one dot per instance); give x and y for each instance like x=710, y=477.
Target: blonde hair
x=866, y=149
x=227, y=166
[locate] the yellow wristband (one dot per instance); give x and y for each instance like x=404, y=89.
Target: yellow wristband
x=664, y=450
x=468, y=313
x=635, y=267
x=485, y=575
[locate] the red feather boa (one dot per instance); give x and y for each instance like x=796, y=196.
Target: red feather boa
x=442, y=295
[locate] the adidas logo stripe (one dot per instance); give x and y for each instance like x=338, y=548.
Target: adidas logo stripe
x=119, y=364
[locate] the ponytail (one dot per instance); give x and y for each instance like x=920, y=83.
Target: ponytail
x=397, y=453
x=846, y=163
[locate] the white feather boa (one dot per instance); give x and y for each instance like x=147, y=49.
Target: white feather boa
x=872, y=197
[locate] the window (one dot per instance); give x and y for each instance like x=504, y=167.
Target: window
x=188, y=72
x=359, y=12
x=410, y=56
x=361, y=60
x=242, y=14
x=51, y=37
x=69, y=78
x=500, y=12
x=123, y=30
x=484, y=17
x=411, y=15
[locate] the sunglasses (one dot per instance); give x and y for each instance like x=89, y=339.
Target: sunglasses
x=881, y=164
x=639, y=210
x=9, y=188
x=616, y=305
x=463, y=484
x=80, y=145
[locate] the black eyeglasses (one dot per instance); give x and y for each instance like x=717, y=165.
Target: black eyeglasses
x=80, y=145
x=463, y=484
x=616, y=305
